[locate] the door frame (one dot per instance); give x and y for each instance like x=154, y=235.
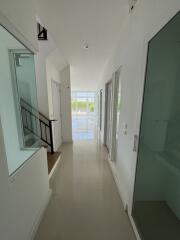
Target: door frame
x=100, y=109
x=115, y=95
x=59, y=84
x=106, y=111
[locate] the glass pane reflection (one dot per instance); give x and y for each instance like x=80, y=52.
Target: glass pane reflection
x=156, y=208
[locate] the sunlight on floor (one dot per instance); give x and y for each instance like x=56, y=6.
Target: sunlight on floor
x=83, y=127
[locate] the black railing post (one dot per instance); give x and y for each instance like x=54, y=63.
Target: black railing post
x=51, y=136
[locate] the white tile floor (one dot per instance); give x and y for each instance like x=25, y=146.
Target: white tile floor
x=85, y=204
x=83, y=127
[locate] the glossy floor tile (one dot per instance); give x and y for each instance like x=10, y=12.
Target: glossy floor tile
x=85, y=204
x=83, y=127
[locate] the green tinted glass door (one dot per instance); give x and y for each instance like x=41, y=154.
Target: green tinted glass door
x=156, y=208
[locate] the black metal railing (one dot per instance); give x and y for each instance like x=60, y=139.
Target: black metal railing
x=37, y=124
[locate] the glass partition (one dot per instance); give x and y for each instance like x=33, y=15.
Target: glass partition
x=24, y=85
x=156, y=208
x=17, y=92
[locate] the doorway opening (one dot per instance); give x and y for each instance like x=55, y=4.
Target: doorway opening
x=56, y=102
x=112, y=114
x=100, y=109
x=108, y=115
x=83, y=115
x=116, y=113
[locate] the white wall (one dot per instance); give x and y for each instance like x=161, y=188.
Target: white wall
x=66, y=104
x=47, y=68
x=51, y=73
x=21, y=15
x=45, y=48
x=24, y=195
x=139, y=27
x=63, y=77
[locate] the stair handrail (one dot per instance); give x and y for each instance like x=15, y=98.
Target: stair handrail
x=38, y=116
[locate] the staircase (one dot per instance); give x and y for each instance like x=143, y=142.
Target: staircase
x=37, y=128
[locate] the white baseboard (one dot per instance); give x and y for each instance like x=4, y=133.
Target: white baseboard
x=134, y=228
x=117, y=181
x=68, y=142
x=40, y=216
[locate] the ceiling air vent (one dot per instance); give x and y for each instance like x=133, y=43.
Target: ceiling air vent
x=132, y=4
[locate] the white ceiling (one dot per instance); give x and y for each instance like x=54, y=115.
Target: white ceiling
x=73, y=23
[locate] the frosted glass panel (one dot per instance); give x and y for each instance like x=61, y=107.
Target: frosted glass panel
x=17, y=82
x=156, y=208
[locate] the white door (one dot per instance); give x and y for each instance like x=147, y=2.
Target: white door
x=56, y=114
x=100, y=110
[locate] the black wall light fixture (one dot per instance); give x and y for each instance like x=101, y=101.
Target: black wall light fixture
x=42, y=32
x=132, y=4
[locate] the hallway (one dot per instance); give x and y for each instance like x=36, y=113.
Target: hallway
x=85, y=204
